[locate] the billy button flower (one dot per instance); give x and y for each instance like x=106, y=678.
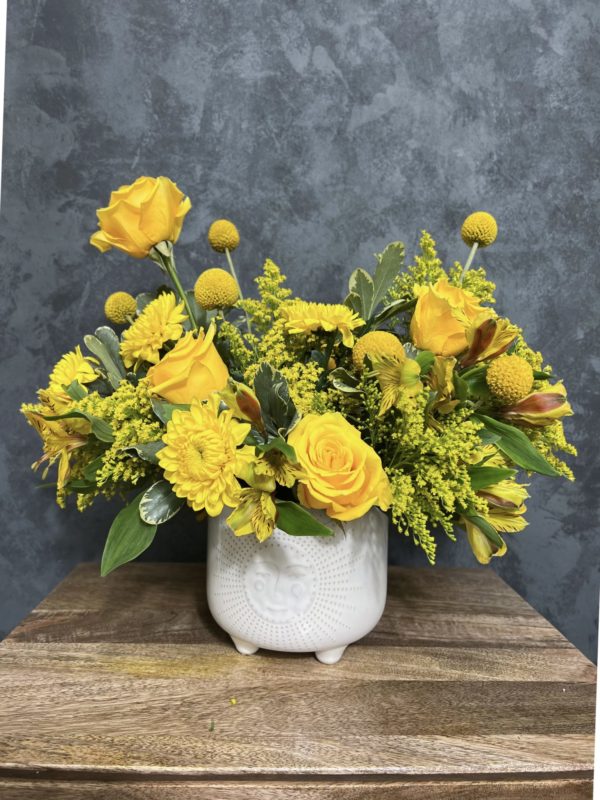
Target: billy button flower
x=478, y=230
x=376, y=343
x=224, y=237
x=216, y=288
x=509, y=378
x=120, y=308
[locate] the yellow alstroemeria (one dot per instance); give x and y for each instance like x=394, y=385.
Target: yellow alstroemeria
x=506, y=509
x=441, y=380
x=488, y=337
x=398, y=377
x=256, y=513
x=483, y=548
x=243, y=402
x=58, y=441
x=542, y=407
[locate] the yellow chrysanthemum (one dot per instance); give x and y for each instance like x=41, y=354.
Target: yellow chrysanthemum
x=216, y=288
x=303, y=317
x=203, y=458
x=73, y=366
x=509, y=378
x=255, y=513
x=223, y=235
x=159, y=323
x=119, y=307
x=479, y=227
x=376, y=343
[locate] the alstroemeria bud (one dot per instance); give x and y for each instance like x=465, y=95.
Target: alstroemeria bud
x=243, y=402
x=541, y=408
x=488, y=338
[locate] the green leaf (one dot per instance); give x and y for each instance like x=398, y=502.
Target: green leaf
x=488, y=437
x=279, y=443
x=484, y=526
x=159, y=503
x=353, y=301
x=397, y=307
x=147, y=450
x=297, y=521
x=143, y=299
x=425, y=359
x=477, y=384
x=164, y=411
x=461, y=388
x=345, y=382
x=104, y=344
x=487, y=476
x=90, y=470
x=515, y=444
x=361, y=284
x=272, y=391
x=542, y=376
x=75, y=391
x=390, y=262
x=100, y=428
x=128, y=537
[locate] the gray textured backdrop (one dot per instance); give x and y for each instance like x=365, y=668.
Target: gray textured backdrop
x=324, y=129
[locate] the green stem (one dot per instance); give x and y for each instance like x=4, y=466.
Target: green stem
x=235, y=278
x=328, y=353
x=162, y=253
x=469, y=261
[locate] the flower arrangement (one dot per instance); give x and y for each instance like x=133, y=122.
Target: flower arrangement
x=413, y=395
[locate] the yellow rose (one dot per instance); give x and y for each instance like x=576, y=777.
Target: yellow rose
x=140, y=215
x=192, y=370
x=442, y=317
x=338, y=471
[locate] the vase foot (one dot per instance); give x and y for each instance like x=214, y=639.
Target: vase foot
x=331, y=656
x=244, y=647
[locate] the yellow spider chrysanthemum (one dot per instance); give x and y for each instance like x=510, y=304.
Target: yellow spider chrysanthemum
x=479, y=227
x=203, y=457
x=216, y=288
x=256, y=513
x=223, y=235
x=303, y=317
x=119, y=307
x=73, y=366
x=509, y=378
x=376, y=343
x=159, y=323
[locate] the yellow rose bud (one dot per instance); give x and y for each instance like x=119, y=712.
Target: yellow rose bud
x=339, y=472
x=441, y=318
x=223, y=235
x=119, y=307
x=479, y=227
x=541, y=408
x=192, y=370
x=141, y=215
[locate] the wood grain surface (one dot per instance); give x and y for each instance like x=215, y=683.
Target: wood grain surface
x=123, y=687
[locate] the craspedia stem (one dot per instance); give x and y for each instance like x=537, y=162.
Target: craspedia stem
x=469, y=261
x=235, y=278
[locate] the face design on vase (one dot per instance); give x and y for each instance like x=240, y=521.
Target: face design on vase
x=277, y=590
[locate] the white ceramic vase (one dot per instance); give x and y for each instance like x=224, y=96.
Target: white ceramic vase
x=299, y=593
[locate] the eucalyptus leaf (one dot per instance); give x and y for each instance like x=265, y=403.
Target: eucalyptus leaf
x=142, y=300
x=272, y=391
x=297, y=521
x=362, y=285
x=128, y=537
x=159, y=503
x=390, y=262
x=481, y=477
x=100, y=428
x=515, y=444
x=103, y=347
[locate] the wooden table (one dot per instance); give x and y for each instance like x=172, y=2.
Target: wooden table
x=124, y=687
